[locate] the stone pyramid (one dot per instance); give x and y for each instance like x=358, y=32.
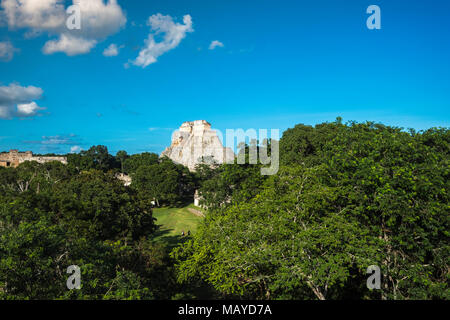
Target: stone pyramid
x=195, y=142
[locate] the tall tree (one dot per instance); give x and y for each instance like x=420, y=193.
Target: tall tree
x=122, y=156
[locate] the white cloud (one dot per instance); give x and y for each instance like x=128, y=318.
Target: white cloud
x=46, y=15
x=173, y=34
x=75, y=149
x=214, y=44
x=17, y=93
x=112, y=50
x=7, y=51
x=17, y=101
x=69, y=45
x=99, y=19
x=28, y=109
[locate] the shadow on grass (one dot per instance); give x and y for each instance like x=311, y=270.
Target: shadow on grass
x=171, y=240
x=179, y=204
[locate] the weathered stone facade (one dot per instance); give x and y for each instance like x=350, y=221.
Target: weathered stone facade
x=13, y=158
x=197, y=198
x=195, y=142
x=126, y=179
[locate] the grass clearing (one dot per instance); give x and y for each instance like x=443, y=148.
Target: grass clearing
x=173, y=221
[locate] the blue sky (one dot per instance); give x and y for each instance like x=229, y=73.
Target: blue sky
x=281, y=63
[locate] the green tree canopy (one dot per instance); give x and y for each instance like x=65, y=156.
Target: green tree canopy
x=347, y=196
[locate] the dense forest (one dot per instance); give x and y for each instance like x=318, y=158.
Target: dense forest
x=347, y=196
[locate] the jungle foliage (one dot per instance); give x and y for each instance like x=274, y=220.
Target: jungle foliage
x=346, y=196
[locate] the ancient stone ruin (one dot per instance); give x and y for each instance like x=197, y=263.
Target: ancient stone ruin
x=195, y=142
x=126, y=179
x=13, y=158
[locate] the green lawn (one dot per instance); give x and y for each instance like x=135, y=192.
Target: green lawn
x=173, y=221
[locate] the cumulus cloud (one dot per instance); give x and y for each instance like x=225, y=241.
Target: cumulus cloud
x=7, y=51
x=16, y=93
x=172, y=33
x=28, y=109
x=17, y=101
x=75, y=149
x=112, y=50
x=47, y=15
x=214, y=44
x=99, y=19
x=69, y=45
